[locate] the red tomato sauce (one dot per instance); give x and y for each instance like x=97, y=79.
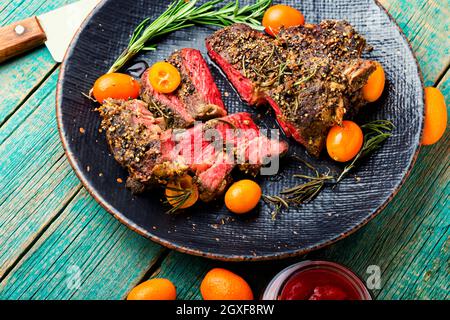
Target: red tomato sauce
x=319, y=284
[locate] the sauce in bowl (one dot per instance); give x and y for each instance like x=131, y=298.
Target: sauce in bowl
x=318, y=284
x=316, y=280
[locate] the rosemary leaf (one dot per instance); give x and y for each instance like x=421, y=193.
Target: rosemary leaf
x=178, y=200
x=375, y=133
x=278, y=202
x=307, y=78
x=183, y=14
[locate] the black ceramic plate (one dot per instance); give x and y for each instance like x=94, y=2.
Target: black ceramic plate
x=334, y=214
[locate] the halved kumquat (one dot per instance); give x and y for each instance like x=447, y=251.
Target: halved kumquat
x=164, y=77
x=182, y=192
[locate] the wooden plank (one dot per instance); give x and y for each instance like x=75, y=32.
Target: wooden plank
x=36, y=180
x=425, y=24
x=186, y=272
x=427, y=254
x=22, y=75
x=20, y=9
x=409, y=240
x=30, y=148
x=86, y=244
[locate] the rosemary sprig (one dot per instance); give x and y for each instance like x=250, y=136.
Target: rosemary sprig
x=156, y=109
x=301, y=193
x=278, y=202
x=179, y=199
x=268, y=59
x=307, y=78
x=182, y=14
x=281, y=71
x=375, y=133
x=244, y=70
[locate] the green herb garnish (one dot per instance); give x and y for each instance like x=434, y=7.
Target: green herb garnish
x=307, y=78
x=182, y=14
x=301, y=193
x=179, y=199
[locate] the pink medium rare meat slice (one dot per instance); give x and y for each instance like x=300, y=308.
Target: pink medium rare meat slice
x=251, y=148
x=213, y=181
x=197, y=97
x=226, y=48
x=245, y=146
x=198, y=91
x=154, y=154
x=311, y=75
x=168, y=106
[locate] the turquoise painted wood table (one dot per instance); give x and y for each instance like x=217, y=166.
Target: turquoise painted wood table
x=56, y=242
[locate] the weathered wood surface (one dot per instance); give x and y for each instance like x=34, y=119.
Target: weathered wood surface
x=425, y=24
x=51, y=231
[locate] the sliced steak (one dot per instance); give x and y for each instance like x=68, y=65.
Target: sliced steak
x=197, y=91
x=197, y=97
x=168, y=106
x=326, y=76
x=243, y=146
x=243, y=139
x=213, y=181
x=311, y=75
x=155, y=154
x=213, y=149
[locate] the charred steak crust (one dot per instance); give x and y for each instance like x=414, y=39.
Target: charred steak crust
x=135, y=137
x=155, y=141
x=197, y=97
x=311, y=75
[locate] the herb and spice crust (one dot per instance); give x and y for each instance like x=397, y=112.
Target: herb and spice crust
x=311, y=75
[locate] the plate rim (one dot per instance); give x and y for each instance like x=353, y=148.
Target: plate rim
x=221, y=257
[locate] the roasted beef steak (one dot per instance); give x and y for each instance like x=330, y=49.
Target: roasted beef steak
x=311, y=75
x=197, y=98
x=154, y=153
x=135, y=137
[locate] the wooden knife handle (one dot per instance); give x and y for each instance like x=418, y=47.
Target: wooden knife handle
x=20, y=37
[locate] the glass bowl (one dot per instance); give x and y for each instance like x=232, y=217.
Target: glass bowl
x=275, y=287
